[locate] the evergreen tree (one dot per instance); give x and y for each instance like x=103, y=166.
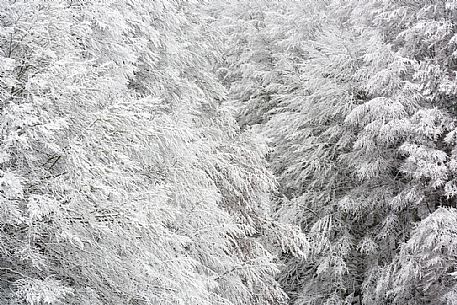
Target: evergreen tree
x=423, y=32
x=358, y=145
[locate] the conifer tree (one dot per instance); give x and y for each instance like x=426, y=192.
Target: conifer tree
x=359, y=146
x=423, y=32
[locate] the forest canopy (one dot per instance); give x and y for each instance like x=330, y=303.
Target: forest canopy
x=228, y=152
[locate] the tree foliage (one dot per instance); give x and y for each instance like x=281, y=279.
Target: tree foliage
x=360, y=121
x=123, y=179
x=244, y=152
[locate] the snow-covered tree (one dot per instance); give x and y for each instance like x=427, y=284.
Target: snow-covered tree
x=422, y=32
x=424, y=269
x=263, y=45
x=357, y=130
x=133, y=168
x=363, y=153
x=123, y=179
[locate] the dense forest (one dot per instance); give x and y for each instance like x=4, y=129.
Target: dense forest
x=215, y=152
